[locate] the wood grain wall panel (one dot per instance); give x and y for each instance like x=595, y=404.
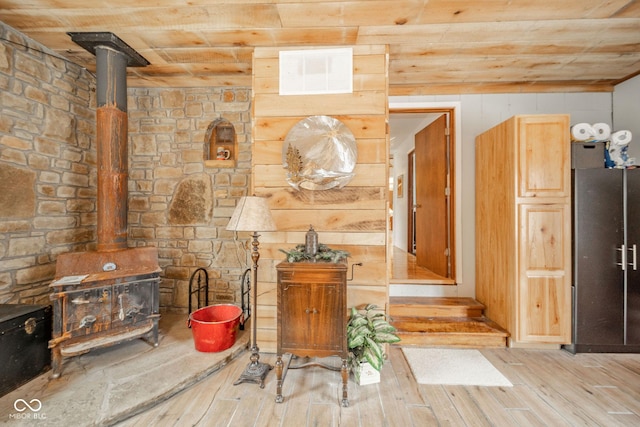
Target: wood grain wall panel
x=360, y=82
x=276, y=106
x=331, y=219
x=368, y=245
x=358, y=197
x=362, y=126
x=363, y=246
x=369, y=151
x=373, y=276
x=366, y=175
x=353, y=218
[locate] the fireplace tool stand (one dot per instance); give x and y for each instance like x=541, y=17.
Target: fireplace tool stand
x=199, y=291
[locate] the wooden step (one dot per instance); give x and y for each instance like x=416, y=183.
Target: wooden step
x=444, y=321
x=477, y=332
x=434, y=307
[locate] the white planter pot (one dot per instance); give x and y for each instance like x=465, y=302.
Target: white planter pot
x=365, y=374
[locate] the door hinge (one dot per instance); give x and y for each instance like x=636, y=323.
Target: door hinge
x=446, y=132
x=446, y=252
x=447, y=191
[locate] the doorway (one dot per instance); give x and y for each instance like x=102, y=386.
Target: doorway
x=430, y=170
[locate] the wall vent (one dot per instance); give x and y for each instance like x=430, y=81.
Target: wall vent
x=316, y=71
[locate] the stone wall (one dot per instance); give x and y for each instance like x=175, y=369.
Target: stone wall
x=178, y=203
x=48, y=176
x=47, y=165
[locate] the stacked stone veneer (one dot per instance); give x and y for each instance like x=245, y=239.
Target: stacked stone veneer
x=176, y=202
x=48, y=176
x=47, y=165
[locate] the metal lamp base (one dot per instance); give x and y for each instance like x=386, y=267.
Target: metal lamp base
x=255, y=372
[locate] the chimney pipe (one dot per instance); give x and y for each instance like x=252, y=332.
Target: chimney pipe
x=112, y=56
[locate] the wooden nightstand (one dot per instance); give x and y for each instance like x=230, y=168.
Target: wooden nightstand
x=312, y=320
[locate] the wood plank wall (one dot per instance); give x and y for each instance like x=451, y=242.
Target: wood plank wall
x=353, y=218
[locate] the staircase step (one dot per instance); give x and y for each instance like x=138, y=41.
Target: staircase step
x=450, y=331
x=435, y=307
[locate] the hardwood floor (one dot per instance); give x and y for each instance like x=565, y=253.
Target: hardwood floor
x=404, y=270
x=551, y=388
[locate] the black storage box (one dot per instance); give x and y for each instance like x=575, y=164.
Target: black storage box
x=25, y=331
x=587, y=155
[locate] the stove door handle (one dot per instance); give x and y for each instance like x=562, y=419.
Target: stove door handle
x=87, y=321
x=121, y=311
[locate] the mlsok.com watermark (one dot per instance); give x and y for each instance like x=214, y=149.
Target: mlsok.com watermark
x=31, y=410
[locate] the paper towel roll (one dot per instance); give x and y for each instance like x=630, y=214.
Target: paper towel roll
x=582, y=132
x=602, y=131
x=621, y=137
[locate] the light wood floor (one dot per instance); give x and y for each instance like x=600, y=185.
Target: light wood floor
x=404, y=270
x=551, y=388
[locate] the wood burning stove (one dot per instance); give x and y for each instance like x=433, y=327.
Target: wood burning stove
x=111, y=295
x=103, y=298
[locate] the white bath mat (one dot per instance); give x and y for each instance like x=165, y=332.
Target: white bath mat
x=453, y=367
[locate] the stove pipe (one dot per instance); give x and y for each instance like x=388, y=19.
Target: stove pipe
x=112, y=58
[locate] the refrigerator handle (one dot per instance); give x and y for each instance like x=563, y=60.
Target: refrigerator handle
x=634, y=257
x=623, y=257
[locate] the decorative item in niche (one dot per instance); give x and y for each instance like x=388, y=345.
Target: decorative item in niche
x=319, y=153
x=220, y=140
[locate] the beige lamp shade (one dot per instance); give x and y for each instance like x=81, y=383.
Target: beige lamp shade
x=252, y=214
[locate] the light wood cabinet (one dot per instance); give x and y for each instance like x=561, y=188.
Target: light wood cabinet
x=523, y=228
x=312, y=316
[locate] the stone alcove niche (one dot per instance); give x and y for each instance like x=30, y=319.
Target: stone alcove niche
x=220, y=144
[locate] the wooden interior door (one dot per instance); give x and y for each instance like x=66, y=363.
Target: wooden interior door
x=433, y=218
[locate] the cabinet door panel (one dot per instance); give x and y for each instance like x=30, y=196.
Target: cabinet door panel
x=544, y=294
x=545, y=308
x=325, y=318
x=544, y=156
x=294, y=321
x=545, y=231
x=312, y=318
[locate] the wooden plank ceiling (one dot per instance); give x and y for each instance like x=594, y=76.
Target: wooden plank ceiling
x=436, y=46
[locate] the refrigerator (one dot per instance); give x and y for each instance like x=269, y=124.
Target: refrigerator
x=606, y=260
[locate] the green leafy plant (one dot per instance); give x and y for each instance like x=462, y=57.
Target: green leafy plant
x=324, y=253
x=367, y=332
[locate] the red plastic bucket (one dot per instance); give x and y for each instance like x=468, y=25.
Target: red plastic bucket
x=215, y=327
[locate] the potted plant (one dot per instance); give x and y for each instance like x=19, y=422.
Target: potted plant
x=367, y=332
x=323, y=253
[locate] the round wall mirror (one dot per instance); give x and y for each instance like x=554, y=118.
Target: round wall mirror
x=319, y=153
